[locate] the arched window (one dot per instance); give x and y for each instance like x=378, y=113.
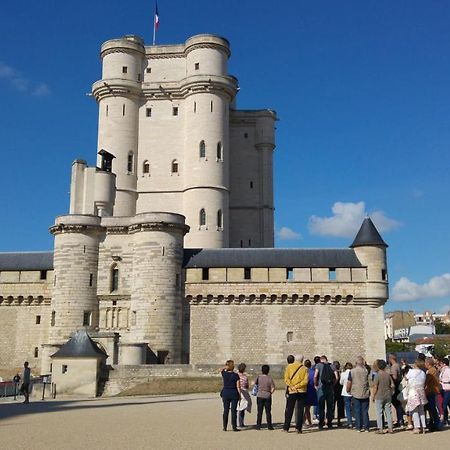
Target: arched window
x=219, y=219
x=146, y=168
x=174, y=166
x=130, y=162
x=202, y=148
x=219, y=151
x=202, y=217
x=114, y=278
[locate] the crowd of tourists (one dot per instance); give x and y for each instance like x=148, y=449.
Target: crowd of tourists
x=324, y=394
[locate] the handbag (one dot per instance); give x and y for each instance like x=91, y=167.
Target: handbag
x=255, y=388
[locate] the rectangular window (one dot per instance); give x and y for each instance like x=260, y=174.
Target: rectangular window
x=114, y=279
x=91, y=279
x=53, y=319
x=249, y=242
x=251, y=184
x=175, y=111
x=212, y=107
x=384, y=274
x=87, y=316
x=332, y=274
x=289, y=336
x=114, y=302
x=43, y=275
x=205, y=273
x=247, y=273
x=36, y=352
x=197, y=66
x=124, y=69
x=107, y=110
x=123, y=109
x=242, y=243
x=148, y=70
x=245, y=135
x=133, y=317
x=148, y=112
x=38, y=320
x=64, y=368
x=289, y=273
x=139, y=77
x=195, y=106
x=177, y=280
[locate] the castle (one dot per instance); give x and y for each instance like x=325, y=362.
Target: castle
x=166, y=255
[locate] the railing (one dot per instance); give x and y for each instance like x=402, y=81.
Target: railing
x=9, y=389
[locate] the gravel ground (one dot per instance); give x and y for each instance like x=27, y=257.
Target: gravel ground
x=171, y=422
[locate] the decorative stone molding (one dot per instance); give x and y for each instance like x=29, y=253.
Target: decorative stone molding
x=274, y=299
x=75, y=228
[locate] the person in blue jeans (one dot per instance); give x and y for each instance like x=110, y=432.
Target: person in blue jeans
x=347, y=396
x=231, y=393
x=358, y=386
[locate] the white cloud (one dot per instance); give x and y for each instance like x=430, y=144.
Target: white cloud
x=286, y=234
x=40, y=90
x=347, y=219
x=22, y=84
x=407, y=290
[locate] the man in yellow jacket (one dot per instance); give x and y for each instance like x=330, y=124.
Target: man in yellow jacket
x=296, y=379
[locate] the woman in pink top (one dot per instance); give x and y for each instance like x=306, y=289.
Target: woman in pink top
x=244, y=393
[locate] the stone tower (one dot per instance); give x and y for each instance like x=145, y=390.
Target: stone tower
x=74, y=304
x=371, y=251
x=167, y=114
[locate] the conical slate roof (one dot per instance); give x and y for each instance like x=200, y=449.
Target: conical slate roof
x=368, y=235
x=79, y=345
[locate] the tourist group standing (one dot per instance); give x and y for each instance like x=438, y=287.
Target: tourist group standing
x=317, y=394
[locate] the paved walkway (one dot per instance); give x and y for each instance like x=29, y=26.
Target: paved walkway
x=171, y=422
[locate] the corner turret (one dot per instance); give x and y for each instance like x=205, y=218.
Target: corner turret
x=370, y=249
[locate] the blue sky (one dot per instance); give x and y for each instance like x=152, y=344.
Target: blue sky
x=361, y=89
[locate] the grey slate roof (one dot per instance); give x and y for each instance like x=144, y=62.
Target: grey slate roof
x=79, y=345
x=270, y=257
x=26, y=261
x=368, y=235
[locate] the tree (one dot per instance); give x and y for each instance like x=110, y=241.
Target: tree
x=441, y=327
x=441, y=348
x=394, y=347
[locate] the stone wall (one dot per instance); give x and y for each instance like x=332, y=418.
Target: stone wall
x=20, y=335
x=261, y=333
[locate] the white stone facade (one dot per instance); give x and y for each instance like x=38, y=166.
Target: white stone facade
x=149, y=260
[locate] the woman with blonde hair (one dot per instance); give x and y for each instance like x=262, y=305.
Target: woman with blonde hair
x=230, y=394
x=416, y=398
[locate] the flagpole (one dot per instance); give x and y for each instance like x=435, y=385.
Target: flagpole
x=154, y=31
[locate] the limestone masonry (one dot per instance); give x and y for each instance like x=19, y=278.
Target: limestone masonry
x=166, y=255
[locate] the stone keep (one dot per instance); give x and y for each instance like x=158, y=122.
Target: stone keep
x=167, y=113
x=166, y=255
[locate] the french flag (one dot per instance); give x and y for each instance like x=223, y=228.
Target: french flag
x=156, y=16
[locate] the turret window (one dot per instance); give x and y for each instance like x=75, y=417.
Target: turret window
x=124, y=69
x=148, y=112
x=202, y=149
x=114, y=278
x=219, y=151
x=130, y=162
x=175, y=111
x=146, y=168
x=87, y=318
x=197, y=66
x=219, y=219
x=202, y=217
x=174, y=166
x=212, y=106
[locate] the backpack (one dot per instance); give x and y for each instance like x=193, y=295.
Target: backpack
x=327, y=377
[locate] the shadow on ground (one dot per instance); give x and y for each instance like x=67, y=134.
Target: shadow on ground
x=13, y=409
